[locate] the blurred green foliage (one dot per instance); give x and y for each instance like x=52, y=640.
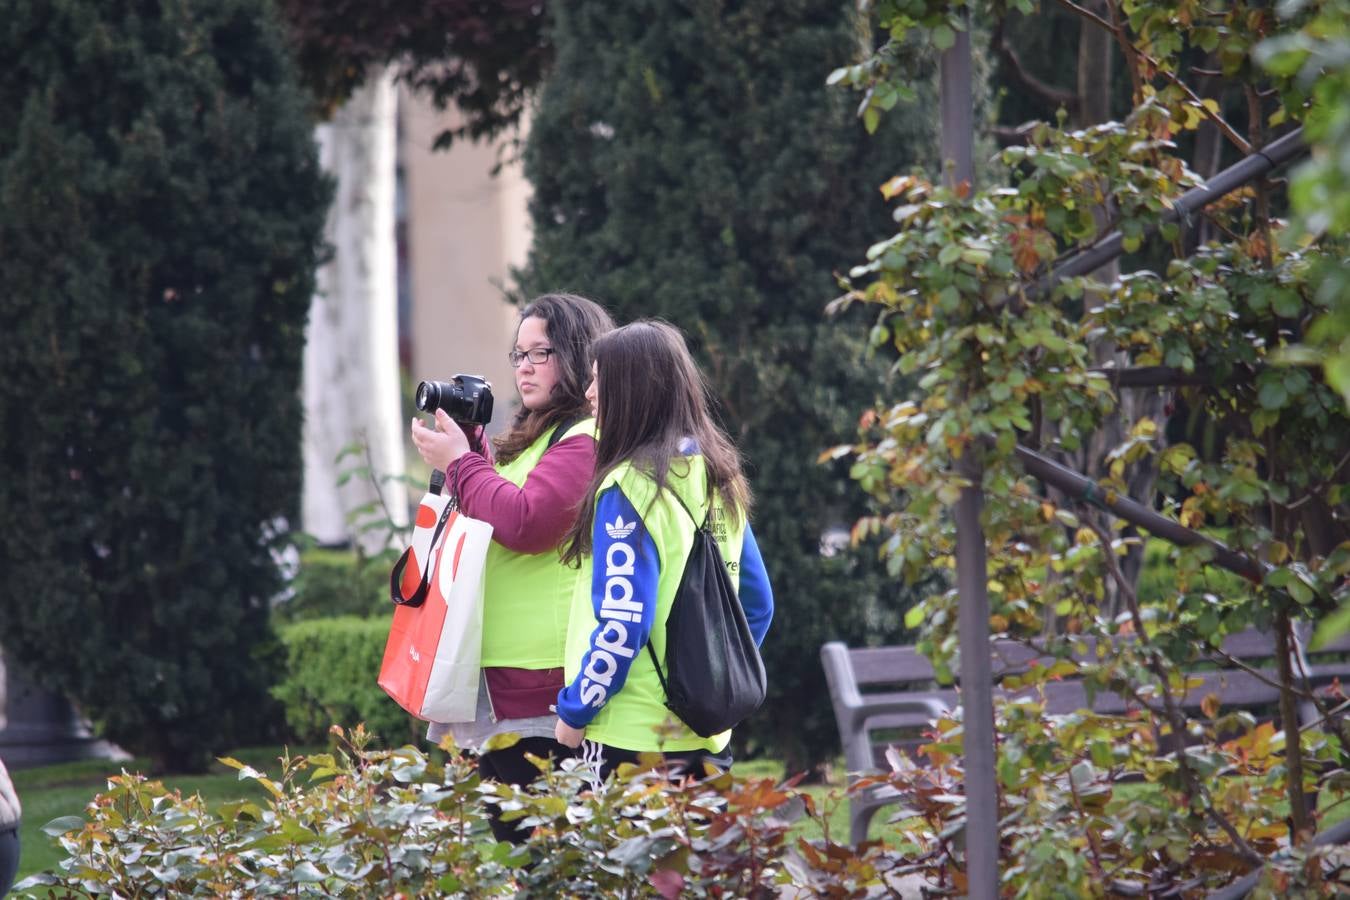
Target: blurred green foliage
x=161, y=215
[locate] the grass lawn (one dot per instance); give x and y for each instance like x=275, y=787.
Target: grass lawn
x=50, y=792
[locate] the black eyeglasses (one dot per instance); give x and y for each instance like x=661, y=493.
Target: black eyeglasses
x=536, y=355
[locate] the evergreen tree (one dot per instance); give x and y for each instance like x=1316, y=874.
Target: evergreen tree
x=160, y=218
x=689, y=162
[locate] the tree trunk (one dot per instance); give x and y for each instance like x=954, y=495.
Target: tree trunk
x=351, y=380
x=1096, y=52
x=1096, y=49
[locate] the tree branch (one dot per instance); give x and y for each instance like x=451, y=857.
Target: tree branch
x=1174, y=715
x=1293, y=748
x=1007, y=136
x=1163, y=376
x=1131, y=51
x=999, y=44
x=1260, y=676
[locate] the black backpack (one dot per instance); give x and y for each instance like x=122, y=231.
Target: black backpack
x=713, y=676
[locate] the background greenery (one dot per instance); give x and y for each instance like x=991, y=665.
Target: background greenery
x=160, y=215
x=689, y=163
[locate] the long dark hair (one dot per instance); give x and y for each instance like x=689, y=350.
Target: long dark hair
x=651, y=398
x=572, y=323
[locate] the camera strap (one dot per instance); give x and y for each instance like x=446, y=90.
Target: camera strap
x=561, y=430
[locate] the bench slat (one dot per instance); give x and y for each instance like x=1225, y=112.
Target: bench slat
x=907, y=680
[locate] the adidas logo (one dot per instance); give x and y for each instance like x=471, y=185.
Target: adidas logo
x=619, y=529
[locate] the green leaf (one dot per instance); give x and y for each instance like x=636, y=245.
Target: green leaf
x=1279, y=578
x=914, y=617
x=949, y=299
x=501, y=742
x=63, y=825
x=1337, y=371
x=1332, y=627
x=307, y=873
x=944, y=37
x=1287, y=304
x=1272, y=395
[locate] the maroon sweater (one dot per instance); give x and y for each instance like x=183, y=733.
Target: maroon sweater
x=529, y=519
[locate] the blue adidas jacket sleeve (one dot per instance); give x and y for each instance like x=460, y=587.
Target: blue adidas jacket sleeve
x=623, y=596
x=755, y=592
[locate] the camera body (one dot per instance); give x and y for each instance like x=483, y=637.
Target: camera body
x=465, y=398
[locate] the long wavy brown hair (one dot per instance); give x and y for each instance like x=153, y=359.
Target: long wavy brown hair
x=572, y=324
x=652, y=398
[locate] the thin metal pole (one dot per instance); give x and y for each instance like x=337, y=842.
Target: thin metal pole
x=977, y=705
x=1257, y=164
x=1080, y=487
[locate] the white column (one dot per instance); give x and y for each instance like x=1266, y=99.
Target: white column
x=351, y=377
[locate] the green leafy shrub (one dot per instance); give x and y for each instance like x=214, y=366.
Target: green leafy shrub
x=161, y=216
x=362, y=823
x=1071, y=827
x=330, y=677
x=356, y=822
x=337, y=583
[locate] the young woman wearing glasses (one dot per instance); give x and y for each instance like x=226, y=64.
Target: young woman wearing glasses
x=529, y=491
x=659, y=456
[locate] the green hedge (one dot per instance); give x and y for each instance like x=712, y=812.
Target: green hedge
x=332, y=665
x=337, y=583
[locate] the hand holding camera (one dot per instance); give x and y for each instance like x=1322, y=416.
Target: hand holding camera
x=464, y=399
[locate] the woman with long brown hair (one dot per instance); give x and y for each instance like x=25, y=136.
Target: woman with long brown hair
x=529, y=491
x=662, y=467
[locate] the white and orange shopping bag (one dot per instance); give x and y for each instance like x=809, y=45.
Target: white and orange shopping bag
x=431, y=660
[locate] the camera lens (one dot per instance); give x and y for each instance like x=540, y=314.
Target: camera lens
x=427, y=398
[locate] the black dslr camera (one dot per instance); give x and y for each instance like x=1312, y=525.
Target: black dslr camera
x=465, y=398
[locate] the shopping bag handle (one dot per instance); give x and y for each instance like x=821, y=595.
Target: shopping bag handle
x=419, y=596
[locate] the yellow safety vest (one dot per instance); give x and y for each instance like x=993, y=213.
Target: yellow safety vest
x=527, y=596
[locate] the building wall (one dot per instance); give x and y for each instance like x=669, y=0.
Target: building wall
x=465, y=229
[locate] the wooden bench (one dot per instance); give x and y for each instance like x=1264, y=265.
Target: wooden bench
x=879, y=692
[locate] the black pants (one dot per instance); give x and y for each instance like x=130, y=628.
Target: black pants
x=510, y=766
x=9, y=859
x=684, y=762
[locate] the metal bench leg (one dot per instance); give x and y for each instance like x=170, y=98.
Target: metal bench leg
x=860, y=814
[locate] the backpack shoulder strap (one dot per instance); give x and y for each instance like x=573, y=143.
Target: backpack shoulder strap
x=692, y=517
x=660, y=675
